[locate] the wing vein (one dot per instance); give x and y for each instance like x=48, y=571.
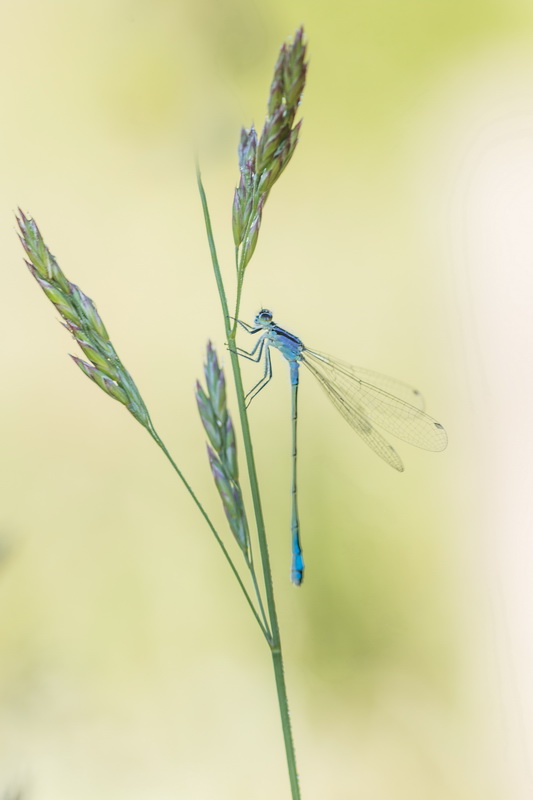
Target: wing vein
x=357, y=398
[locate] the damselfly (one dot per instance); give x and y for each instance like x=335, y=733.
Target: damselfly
x=363, y=397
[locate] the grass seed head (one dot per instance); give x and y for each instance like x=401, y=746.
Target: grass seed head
x=261, y=161
x=83, y=321
x=222, y=450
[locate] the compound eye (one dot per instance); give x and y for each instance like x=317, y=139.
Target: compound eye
x=265, y=315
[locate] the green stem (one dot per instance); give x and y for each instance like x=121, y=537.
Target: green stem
x=155, y=436
x=240, y=280
x=239, y=258
x=251, y=567
x=275, y=645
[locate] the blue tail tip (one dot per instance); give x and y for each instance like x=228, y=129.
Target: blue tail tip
x=297, y=570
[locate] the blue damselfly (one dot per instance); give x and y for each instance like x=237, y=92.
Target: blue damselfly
x=363, y=397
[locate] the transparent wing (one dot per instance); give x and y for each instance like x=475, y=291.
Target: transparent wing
x=364, y=395
x=391, y=386
x=357, y=419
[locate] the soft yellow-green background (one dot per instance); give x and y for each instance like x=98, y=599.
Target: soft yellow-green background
x=129, y=666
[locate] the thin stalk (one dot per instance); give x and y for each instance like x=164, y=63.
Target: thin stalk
x=253, y=574
x=263, y=625
x=240, y=280
x=275, y=644
x=239, y=259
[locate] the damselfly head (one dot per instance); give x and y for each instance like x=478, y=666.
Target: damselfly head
x=264, y=318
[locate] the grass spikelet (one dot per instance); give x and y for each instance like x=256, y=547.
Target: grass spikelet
x=263, y=159
x=222, y=454
x=83, y=321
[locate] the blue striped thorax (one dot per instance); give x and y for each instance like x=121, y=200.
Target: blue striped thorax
x=289, y=345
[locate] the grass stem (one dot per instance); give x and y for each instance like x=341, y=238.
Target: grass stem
x=262, y=623
x=275, y=642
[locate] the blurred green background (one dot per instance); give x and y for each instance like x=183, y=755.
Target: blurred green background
x=129, y=666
